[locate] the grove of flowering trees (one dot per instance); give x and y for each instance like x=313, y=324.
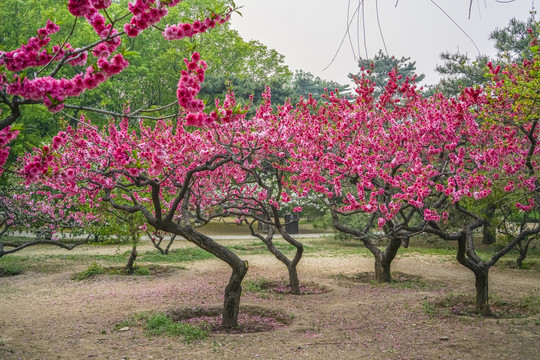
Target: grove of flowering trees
x=409, y=164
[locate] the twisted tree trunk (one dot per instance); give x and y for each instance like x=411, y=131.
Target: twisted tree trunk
x=383, y=260
x=130, y=267
x=482, y=293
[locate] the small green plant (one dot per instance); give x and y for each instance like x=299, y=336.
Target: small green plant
x=429, y=309
x=162, y=324
x=142, y=270
x=258, y=285
x=93, y=270
x=531, y=303
x=238, y=247
x=133, y=320
x=10, y=268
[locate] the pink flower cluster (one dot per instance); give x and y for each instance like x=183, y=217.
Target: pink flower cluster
x=113, y=67
x=41, y=162
x=54, y=91
x=85, y=7
x=182, y=30
x=104, y=49
x=90, y=10
x=159, y=158
x=31, y=54
x=189, y=84
x=526, y=208
x=431, y=215
x=263, y=195
x=145, y=14
x=6, y=136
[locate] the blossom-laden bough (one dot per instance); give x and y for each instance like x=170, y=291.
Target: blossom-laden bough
x=41, y=216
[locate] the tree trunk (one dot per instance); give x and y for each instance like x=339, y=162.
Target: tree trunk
x=482, y=294
x=130, y=268
x=523, y=249
x=520, y=258
x=383, y=260
x=293, y=279
x=489, y=236
x=233, y=291
x=382, y=269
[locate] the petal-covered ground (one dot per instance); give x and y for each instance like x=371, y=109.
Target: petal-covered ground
x=48, y=315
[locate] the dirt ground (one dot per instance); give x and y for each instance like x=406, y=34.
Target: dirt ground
x=51, y=316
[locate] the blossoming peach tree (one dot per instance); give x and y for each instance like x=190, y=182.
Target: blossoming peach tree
x=352, y=153
x=40, y=73
x=253, y=185
x=40, y=216
x=414, y=164
x=135, y=168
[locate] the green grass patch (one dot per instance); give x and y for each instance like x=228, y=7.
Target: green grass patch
x=10, y=266
x=176, y=256
x=97, y=269
x=159, y=324
x=413, y=250
x=133, y=320
x=258, y=285
x=332, y=247
x=428, y=308
x=39, y=264
x=258, y=247
x=92, y=271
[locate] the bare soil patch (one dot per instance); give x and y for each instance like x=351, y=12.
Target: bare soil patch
x=282, y=287
x=252, y=319
x=47, y=315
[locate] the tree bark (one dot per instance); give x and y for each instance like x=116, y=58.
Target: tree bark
x=383, y=260
x=233, y=292
x=130, y=268
x=482, y=293
x=489, y=237
x=293, y=279
x=291, y=265
x=523, y=249
x=519, y=260
x=382, y=269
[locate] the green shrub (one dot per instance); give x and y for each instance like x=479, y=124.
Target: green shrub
x=93, y=270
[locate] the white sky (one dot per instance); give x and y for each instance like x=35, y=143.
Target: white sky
x=308, y=32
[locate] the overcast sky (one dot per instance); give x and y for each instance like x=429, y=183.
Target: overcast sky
x=309, y=32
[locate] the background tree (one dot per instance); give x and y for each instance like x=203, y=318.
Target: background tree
x=377, y=70
x=459, y=71
x=305, y=83
x=39, y=216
